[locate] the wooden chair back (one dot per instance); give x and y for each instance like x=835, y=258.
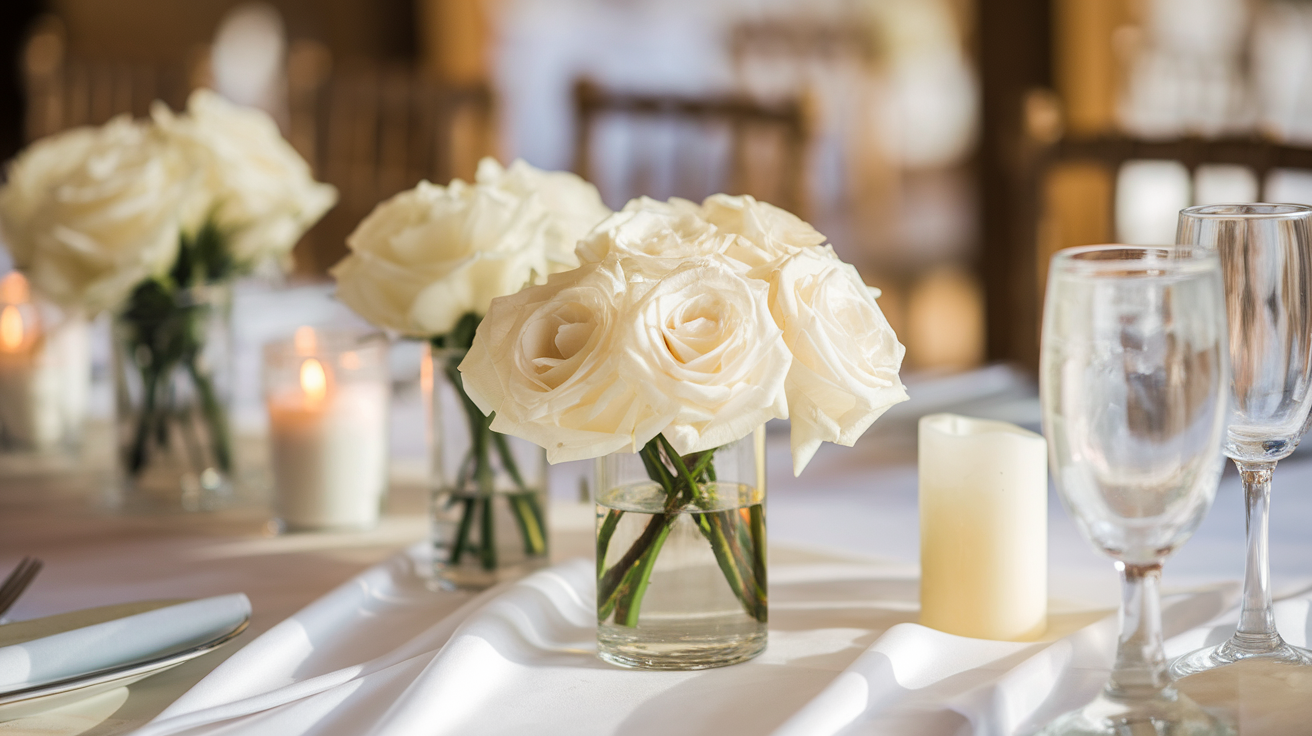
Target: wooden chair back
x=375, y=131
x=690, y=146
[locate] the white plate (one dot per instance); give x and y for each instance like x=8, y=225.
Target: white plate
x=48, y=695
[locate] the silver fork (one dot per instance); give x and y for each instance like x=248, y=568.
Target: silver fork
x=17, y=582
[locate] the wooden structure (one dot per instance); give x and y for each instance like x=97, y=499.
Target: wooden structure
x=766, y=145
x=370, y=130
x=375, y=131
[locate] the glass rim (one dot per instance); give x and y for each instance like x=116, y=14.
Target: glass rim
x=1247, y=211
x=327, y=342
x=1139, y=260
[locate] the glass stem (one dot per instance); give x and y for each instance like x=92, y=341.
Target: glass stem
x=1140, y=669
x=1256, y=632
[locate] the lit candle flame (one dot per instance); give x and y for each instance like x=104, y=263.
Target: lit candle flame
x=314, y=381
x=11, y=329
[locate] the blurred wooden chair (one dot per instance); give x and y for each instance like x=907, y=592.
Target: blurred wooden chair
x=673, y=145
x=374, y=131
x=802, y=41
x=64, y=92
x=1109, y=153
x=1067, y=187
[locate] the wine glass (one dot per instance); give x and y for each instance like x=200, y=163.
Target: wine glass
x=1266, y=262
x=1134, y=382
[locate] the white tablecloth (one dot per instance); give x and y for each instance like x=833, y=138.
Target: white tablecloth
x=843, y=552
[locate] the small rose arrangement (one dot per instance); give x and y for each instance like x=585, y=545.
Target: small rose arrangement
x=429, y=262
x=685, y=328
x=698, y=323
x=140, y=217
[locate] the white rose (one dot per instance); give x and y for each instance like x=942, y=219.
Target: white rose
x=654, y=237
x=573, y=205
x=704, y=347
x=545, y=360
x=765, y=232
x=91, y=213
x=427, y=256
x=253, y=183
x=845, y=355
x=32, y=177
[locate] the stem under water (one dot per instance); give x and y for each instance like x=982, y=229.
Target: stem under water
x=477, y=480
x=688, y=485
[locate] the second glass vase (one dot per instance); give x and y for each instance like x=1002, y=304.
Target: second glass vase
x=681, y=555
x=488, y=506
x=172, y=383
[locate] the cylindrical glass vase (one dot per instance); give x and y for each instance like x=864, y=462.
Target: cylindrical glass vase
x=489, y=489
x=173, y=398
x=681, y=556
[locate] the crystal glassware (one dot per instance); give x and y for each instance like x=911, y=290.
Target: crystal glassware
x=1266, y=260
x=1134, y=380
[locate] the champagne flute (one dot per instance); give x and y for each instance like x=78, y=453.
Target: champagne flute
x=1135, y=379
x=1266, y=262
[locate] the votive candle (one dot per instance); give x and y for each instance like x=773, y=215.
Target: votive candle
x=45, y=370
x=327, y=396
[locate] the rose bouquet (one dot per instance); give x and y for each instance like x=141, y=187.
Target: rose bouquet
x=426, y=264
x=683, y=330
x=149, y=219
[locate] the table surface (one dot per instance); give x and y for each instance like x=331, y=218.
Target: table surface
x=851, y=504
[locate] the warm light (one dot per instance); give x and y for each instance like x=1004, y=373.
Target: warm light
x=426, y=373
x=350, y=361
x=314, y=382
x=14, y=290
x=11, y=329
x=305, y=340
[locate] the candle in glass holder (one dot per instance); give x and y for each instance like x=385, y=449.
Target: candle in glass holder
x=45, y=370
x=327, y=396
x=983, y=528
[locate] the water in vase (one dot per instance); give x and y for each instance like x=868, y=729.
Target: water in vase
x=683, y=586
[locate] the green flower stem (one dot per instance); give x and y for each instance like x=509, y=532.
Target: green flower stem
x=137, y=456
x=478, y=471
x=488, y=549
x=609, y=585
x=738, y=543
x=462, y=534
x=756, y=521
x=604, y=534
x=627, y=609
x=528, y=516
x=215, y=416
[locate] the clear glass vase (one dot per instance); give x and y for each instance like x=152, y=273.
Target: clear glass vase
x=172, y=385
x=489, y=497
x=681, y=556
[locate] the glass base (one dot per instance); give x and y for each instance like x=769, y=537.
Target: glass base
x=638, y=648
x=1171, y=714
x=474, y=577
x=1236, y=649
x=165, y=489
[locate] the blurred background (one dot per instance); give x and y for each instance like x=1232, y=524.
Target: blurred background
x=946, y=147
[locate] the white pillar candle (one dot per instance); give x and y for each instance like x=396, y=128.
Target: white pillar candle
x=983, y=528
x=44, y=374
x=329, y=448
